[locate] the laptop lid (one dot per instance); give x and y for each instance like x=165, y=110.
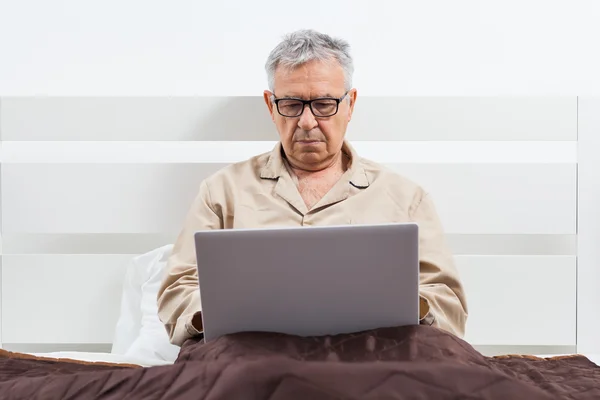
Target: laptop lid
x=308, y=281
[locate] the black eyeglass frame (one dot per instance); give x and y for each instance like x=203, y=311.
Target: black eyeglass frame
x=337, y=100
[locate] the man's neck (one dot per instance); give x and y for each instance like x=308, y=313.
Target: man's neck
x=337, y=166
x=313, y=185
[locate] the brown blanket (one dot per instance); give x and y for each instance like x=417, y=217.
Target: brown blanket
x=392, y=363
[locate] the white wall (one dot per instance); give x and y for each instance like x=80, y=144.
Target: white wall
x=187, y=47
x=588, y=266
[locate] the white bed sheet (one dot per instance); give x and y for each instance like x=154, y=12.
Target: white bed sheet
x=595, y=358
x=101, y=357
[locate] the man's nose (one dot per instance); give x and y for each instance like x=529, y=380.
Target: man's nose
x=307, y=120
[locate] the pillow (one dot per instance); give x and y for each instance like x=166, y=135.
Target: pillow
x=139, y=332
x=130, y=317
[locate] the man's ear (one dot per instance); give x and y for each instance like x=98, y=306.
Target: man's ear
x=352, y=94
x=267, y=95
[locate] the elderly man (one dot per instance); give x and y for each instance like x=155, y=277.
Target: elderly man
x=312, y=177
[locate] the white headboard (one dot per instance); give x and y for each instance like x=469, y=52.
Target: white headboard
x=89, y=182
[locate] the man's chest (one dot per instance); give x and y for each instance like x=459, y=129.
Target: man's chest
x=313, y=190
x=275, y=209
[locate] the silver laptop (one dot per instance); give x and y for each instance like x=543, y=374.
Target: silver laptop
x=308, y=281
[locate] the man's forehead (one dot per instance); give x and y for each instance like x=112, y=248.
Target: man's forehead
x=304, y=90
x=305, y=96
x=310, y=80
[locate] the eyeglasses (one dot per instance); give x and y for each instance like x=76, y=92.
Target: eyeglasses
x=320, y=107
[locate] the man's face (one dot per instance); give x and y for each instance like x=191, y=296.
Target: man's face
x=311, y=142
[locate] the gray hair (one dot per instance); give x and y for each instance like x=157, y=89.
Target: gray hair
x=306, y=45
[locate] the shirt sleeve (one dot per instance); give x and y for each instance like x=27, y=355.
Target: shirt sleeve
x=442, y=298
x=179, y=294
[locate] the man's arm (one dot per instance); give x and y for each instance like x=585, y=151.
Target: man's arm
x=442, y=299
x=179, y=297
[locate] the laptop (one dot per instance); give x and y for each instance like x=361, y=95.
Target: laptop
x=308, y=281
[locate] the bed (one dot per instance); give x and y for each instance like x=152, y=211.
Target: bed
x=402, y=362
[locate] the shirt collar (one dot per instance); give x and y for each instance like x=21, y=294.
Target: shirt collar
x=274, y=166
